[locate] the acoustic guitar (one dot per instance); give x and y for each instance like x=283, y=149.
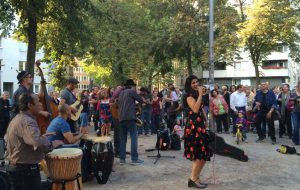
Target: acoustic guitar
x=79, y=107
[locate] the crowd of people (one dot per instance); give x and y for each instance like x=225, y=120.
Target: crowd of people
x=187, y=113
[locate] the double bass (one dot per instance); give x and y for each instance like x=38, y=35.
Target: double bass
x=48, y=105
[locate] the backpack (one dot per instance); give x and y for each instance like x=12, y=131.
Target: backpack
x=164, y=140
x=285, y=149
x=175, y=142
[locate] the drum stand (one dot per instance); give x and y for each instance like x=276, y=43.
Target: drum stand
x=158, y=156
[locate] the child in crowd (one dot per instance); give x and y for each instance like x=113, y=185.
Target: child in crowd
x=177, y=128
x=241, y=122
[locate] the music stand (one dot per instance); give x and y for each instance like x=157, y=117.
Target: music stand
x=158, y=156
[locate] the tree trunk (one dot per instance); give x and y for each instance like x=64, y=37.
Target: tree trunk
x=32, y=39
x=256, y=74
x=189, y=59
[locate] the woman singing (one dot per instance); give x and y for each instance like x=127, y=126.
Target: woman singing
x=196, y=137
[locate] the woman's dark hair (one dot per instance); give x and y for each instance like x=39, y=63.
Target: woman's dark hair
x=24, y=100
x=232, y=87
x=188, y=82
x=188, y=90
x=212, y=93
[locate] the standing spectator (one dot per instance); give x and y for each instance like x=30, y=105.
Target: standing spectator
x=167, y=99
x=4, y=113
x=296, y=115
x=146, y=110
x=105, y=112
x=219, y=108
x=250, y=100
x=205, y=100
x=174, y=95
x=93, y=106
x=226, y=94
x=232, y=89
x=285, y=119
x=84, y=99
x=156, y=110
x=238, y=102
x=196, y=137
x=127, y=116
x=265, y=101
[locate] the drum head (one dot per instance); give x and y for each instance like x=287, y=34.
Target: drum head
x=65, y=153
x=88, y=137
x=104, y=139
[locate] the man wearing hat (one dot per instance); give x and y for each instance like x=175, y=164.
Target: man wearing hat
x=67, y=97
x=25, y=81
x=127, y=118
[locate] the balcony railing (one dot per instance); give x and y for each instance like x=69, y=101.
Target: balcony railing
x=273, y=67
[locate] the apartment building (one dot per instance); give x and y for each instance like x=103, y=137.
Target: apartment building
x=13, y=56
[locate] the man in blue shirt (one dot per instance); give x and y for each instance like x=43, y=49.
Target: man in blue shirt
x=61, y=128
x=265, y=103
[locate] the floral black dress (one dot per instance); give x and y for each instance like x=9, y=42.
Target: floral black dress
x=196, y=137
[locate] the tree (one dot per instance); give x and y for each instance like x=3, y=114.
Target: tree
x=33, y=15
x=268, y=22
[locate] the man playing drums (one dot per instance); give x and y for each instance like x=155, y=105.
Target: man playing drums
x=61, y=128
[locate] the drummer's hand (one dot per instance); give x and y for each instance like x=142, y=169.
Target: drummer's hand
x=84, y=130
x=45, y=114
x=57, y=143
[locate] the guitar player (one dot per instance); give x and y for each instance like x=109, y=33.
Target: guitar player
x=67, y=97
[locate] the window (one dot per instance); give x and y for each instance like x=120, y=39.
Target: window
x=1, y=64
x=220, y=66
x=22, y=46
x=36, y=88
x=22, y=65
x=275, y=64
x=237, y=66
x=84, y=78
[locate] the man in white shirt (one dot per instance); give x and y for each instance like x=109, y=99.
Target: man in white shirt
x=238, y=101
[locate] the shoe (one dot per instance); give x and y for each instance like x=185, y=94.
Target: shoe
x=191, y=183
x=260, y=140
x=273, y=142
x=137, y=162
x=122, y=162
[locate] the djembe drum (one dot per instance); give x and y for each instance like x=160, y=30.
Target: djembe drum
x=102, y=156
x=64, y=168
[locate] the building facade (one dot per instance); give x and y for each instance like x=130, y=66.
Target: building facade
x=13, y=56
x=82, y=77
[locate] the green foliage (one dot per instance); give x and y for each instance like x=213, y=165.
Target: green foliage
x=269, y=22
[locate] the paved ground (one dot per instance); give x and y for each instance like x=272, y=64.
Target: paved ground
x=266, y=169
